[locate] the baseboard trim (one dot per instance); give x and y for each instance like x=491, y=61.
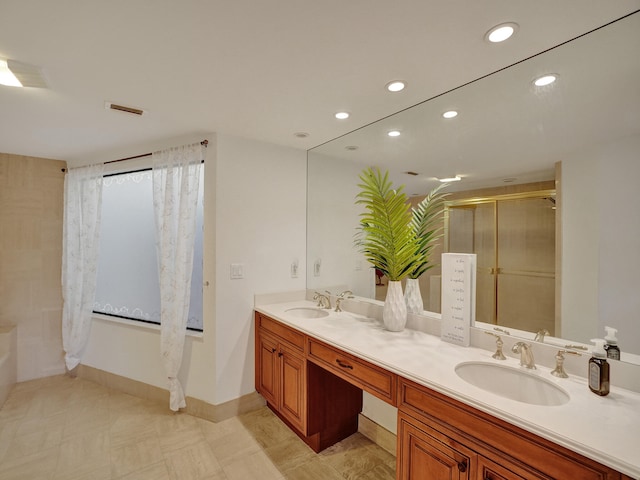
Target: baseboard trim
x=196, y=407
x=377, y=434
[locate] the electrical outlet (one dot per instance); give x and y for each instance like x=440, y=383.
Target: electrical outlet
x=316, y=268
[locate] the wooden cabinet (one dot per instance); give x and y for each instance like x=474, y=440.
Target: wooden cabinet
x=369, y=377
x=436, y=432
x=316, y=389
x=320, y=407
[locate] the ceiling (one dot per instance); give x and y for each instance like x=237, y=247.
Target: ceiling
x=254, y=69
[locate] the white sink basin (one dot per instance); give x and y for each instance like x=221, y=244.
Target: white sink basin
x=512, y=383
x=308, y=312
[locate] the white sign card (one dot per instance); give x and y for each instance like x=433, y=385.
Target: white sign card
x=458, y=297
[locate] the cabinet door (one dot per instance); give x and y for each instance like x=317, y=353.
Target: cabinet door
x=292, y=387
x=488, y=470
x=424, y=456
x=268, y=371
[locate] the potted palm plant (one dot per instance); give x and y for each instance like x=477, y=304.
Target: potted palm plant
x=427, y=229
x=387, y=239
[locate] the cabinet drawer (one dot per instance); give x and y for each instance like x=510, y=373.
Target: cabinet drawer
x=296, y=339
x=365, y=375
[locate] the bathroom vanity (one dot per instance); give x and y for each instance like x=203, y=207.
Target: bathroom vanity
x=312, y=371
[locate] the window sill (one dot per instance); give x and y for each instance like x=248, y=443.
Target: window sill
x=139, y=325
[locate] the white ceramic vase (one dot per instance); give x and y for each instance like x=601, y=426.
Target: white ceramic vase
x=394, y=313
x=412, y=296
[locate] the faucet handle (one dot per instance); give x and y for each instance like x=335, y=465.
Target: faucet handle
x=499, y=343
x=559, y=370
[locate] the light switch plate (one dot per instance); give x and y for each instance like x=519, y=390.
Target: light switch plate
x=237, y=271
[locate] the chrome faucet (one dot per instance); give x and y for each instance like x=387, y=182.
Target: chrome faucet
x=540, y=335
x=526, y=354
x=341, y=297
x=323, y=300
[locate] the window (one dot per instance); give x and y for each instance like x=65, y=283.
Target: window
x=127, y=285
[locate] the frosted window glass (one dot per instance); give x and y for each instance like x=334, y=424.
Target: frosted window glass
x=128, y=284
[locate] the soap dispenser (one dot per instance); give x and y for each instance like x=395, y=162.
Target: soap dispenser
x=599, y=369
x=612, y=349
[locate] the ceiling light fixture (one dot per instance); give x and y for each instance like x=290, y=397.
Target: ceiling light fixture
x=7, y=77
x=393, y=133
x=301, y=134
x=450, y=114
x=501, y=32
x=342, y=115
x=457, y=178
x=351, y=147
x=396, y=86
x=17, y=74
x=545, y=80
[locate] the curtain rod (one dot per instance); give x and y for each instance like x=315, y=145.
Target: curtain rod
x=205, y=143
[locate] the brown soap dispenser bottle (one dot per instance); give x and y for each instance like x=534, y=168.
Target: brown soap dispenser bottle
x=599, y=369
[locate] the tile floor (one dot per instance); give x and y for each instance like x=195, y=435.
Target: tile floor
x=69, y=428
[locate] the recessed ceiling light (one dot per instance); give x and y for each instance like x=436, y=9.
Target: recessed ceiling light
x=393, y=133
x=545, y=80
x=18, y=74
x=7, y=77
x=301, y=134
x=457, y=178
x=351, y=147
x=396, y=86
x=342, y=115
x=450, y=114
x=501, y=32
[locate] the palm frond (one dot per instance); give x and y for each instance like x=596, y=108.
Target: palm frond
x=427, y=227
x=385, y=235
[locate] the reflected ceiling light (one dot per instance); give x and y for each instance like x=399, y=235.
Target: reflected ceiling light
x=17, y=74
x=547, y=79
x=501, y=32
x=342, y=115
x=457, y=178
x=393, y=133
x=396, y=86
x=450, y=114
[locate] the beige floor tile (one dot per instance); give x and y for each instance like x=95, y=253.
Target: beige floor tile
x=354, y=456
x=64, y=428
x=157, y=471
x=256, y=465
x=38, y=466
x=194, y=462
x=137, y=455
x=265, y=427
x=315, y=469
x=82, y=454
x=289, y=454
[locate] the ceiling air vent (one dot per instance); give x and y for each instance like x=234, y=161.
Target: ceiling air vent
x=123, y=108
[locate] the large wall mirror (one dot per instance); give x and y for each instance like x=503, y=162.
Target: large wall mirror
x=571, y=149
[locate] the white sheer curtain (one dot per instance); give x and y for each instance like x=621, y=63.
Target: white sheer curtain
x=81, y=232
x=176, y=176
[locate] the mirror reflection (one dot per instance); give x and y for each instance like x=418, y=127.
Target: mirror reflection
x=546, y=197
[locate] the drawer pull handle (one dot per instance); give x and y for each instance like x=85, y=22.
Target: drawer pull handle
x=273, y=350
x=462, y=466
x=343, y=365
x=280, y=354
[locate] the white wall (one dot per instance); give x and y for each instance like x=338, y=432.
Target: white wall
x=601, y=227
x=261, y=209
x=255, y=214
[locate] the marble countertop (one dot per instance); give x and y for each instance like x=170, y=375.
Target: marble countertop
x=605, y=429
